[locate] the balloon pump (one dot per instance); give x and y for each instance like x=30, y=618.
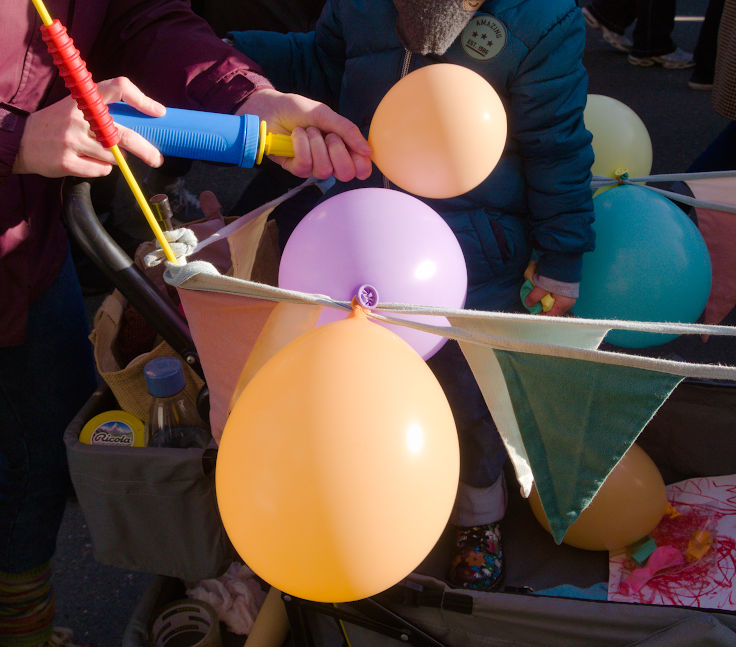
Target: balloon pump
x=241, y=140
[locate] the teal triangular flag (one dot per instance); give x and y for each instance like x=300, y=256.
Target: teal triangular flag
x=577, y=419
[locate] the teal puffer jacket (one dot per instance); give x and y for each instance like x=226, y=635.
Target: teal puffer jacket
x=538, y=197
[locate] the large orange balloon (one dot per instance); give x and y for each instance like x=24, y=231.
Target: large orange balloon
x=628, y=506
x=339, y=463
x=439, y=131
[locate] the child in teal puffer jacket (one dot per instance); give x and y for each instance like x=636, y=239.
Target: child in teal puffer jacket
x=536, y=201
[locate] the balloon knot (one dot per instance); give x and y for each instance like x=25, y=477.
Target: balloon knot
x=359, y=310
x=621, y=175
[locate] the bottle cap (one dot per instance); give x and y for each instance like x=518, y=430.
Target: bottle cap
x=164, y=376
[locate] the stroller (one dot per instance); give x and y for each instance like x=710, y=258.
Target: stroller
x=118, y=496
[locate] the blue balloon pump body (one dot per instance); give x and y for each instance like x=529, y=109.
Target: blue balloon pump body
x=194, y=134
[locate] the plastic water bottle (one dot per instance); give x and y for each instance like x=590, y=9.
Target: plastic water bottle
x=173, y=419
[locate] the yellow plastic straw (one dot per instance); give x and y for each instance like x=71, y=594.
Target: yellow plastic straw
x=41, y=8
x=123, y=165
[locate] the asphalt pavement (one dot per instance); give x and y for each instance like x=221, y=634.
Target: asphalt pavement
x=97, y=601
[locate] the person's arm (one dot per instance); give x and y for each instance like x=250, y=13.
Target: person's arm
x=175, y=57
x=309, y=63
x=325, y=143
x=56, y=141
x=548, y=97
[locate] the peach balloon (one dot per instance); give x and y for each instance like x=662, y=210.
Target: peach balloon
x=339, y=463
x=439, y=131
x=628, y=506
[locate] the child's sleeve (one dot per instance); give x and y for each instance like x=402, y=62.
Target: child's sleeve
x=310, y=64
x=548, y=97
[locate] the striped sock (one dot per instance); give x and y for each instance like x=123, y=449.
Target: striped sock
x=26, y=607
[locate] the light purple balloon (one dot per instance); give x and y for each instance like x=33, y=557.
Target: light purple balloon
x=380, y=245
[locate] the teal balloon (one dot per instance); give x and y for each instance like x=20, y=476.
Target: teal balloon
x=650, y=263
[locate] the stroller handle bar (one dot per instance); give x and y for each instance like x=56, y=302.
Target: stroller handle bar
x=85, y=227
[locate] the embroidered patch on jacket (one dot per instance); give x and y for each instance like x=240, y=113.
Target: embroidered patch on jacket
x=484, y=37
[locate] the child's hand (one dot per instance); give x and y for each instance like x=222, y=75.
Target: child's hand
x=561, y=303
x=57, y=140
x=325, y=144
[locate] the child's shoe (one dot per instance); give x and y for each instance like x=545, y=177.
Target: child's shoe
x=478, y=561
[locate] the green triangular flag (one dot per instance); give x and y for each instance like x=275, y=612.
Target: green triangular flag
x=577, y=419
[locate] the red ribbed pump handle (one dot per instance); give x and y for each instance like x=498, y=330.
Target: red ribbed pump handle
x=79, y=81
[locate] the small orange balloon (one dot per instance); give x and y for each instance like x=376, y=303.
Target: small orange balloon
x=339, y=463
x=627, y=507
x=439, y=131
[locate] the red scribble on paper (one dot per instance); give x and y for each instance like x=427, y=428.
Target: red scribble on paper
x=704, y=504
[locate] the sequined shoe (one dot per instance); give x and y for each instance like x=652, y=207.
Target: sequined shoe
x=478, y=561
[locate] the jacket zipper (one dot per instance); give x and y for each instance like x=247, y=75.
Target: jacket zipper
x=404, y=72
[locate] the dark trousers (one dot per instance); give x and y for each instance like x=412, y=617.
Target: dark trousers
x=705, y=49
x=653, y=21
x=43, y=383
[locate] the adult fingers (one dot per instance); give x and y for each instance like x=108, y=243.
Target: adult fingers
x=123, y=89
x=301, y=164
x=82, y=166
x=328, y=121
x=343, y=167
x=134, y=143
x=321, y=156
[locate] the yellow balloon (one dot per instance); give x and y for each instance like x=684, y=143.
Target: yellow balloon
x=628, y=506
x=620, y=138
x=439, y=131
x=338, y=466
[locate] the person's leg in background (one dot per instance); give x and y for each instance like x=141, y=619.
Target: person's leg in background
x=612, y=18
x=43, y=383
x=655, y=20
x=653, y=44
x=705, y=49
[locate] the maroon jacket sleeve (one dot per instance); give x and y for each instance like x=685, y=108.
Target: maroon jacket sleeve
x=173, y=56
x=11, y=130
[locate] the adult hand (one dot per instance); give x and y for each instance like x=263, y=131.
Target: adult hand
x=325, y=143
x=57, y=140
x=561, y=305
